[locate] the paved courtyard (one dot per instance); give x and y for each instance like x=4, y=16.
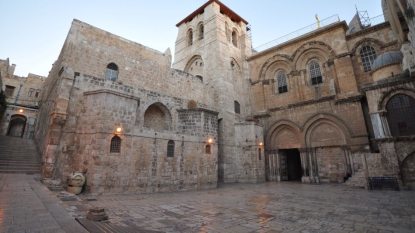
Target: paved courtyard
x=27, y=206
x=270, y=207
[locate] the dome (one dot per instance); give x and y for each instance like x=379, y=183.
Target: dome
x=387, y=58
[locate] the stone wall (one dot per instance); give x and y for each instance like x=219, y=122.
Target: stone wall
x=83, y=111
x=23, y=101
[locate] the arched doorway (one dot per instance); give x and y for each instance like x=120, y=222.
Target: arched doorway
x=283, y=160
x=290, y=165
x=17, y=126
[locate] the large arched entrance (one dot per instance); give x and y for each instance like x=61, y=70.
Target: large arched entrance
x=283, y=156
x=17, y=126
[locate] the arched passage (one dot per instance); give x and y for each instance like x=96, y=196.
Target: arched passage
x=17, y=126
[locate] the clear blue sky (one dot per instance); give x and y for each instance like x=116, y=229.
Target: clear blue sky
x=33, y=31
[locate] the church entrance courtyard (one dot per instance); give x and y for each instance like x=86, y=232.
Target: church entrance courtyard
x=267, y=207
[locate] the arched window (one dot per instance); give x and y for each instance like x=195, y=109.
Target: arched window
x=170, y=148
x=282, y=82
x=115, y=145
x=368, y=55
x=112, y=72
x=208, y=149
x=235, y=38
x=201, y=31
x=190, y=37
x=401, y=115
x=315, y=73
x=227, y=32
x=237, y=107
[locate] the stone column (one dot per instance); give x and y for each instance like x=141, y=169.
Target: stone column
x=304, y=166
x=347, y=160
x=278, y=166
x=271, y=166
x=315, y=165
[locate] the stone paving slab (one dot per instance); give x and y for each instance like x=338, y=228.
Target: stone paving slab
x=268, y=208
x=26, y=206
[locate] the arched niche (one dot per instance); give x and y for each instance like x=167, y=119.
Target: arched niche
x=157, y=117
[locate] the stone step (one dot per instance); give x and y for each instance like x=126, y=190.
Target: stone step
x=20, y=171
x=18, y=156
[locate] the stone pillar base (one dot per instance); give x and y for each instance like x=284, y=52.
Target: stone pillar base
x=306, y=179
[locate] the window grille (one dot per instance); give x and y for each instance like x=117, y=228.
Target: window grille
x=282, y=82
x=368, y=55
x=170, y=149
x=115, y=145
x=112, y=72
x=401, y=115
x=315, y=73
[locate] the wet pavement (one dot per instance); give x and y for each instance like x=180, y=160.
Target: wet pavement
x=26, y=206
x=269, y=207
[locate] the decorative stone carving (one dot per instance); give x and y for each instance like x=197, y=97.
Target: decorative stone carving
x=75, y=183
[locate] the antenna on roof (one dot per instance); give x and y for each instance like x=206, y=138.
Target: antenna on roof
x=364, y=17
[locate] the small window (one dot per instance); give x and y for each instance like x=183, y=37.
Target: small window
x=208, y=149
x=112, y=72
x=237, y=107
x=315, y=73
x=115, y=145
x=37, y=93
x=259, y=154
x=368, y=55
x=201, y=31
x=31, y=91
x=190, y=37
x=282, y=82
x=9, y=91
x=170, y=148
x=235, y=38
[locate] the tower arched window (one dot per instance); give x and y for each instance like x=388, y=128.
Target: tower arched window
x=368, y=55
x=237, y=107
x=282, y=82
x=227, y=32
x=190, y=37
x=170, y=148
x=401, y=115
x=201, y=31
x=315, y=73
x=235, y=38
x=115, y=146
x=111, y=72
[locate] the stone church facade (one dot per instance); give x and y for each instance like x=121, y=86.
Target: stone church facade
x=333, y=105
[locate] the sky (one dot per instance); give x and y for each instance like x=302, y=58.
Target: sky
x=32, y=32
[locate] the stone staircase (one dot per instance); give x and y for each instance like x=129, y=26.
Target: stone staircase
x=358, y=179
x=18, y=155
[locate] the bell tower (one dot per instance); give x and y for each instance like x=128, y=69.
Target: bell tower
x=213, y=43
